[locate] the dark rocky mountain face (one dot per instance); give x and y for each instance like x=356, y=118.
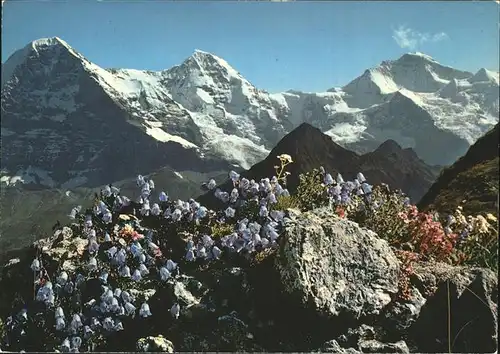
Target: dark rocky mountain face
x=474, y=178
x=310, y=149
x=399, y=167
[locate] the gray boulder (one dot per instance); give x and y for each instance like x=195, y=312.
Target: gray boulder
x=336, y=267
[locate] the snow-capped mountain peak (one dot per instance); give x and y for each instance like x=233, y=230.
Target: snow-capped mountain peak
x=50, y=41
x=32, y=50
x=423, y=55
x=414, y=56
x=208, y=60
x=416, y=72
x=370, y=88
x=44, y=53
x=206, y=64
x=485, y=75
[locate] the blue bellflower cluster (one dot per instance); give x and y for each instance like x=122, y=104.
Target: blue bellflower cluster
x=132, y=254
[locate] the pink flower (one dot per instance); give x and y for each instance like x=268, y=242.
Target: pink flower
x=157, y=252
x=137, y=236
x=340, y=212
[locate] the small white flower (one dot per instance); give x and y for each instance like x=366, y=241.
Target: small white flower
x=127, y=297
x=201, y=212
x=163, y=197
x=211, y=184
x=65, y=346
x=93, y=246
x=107, y=296
x=35, y=265
x=263, y=211
x=155, y=209
x=129, y=309
x=285, y=158
x=74, y=211
x=136, y=276
x=171, y=265
x=230, y=212
x=264, y=242
x=94, y=323
x=62, y=278
x=176, y=215
x=104, y=277
x=108, y=324
x=114, y=305
x=360, y=177
x=366, y=188
x=190, y=257
x=164, y=274
x=106, y=192
x=202, y=252
x=60, y=324
x=140, y=180
x=51, y=299
x=87, y=332
x=59, y=312
x=234, y=176
x=216, y=251
x=107, y=217
x=76, y=342
x=118, y=325
x=175, y=310
x=144, y=310
x=125, y=272
x=23, y=314
x=121, y=256
x=112, y=251
x=76, y=322
x=92, y=264
x=143, y=270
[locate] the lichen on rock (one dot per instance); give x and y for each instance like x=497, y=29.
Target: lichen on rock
x=337, y=266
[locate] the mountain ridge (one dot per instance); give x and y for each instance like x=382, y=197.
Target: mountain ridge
x=310, y=149
x=204, y=107
x=474, y=178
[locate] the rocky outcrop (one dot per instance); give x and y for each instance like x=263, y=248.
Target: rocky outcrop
x=335, y=267
x=473, y=177
x=463, y=305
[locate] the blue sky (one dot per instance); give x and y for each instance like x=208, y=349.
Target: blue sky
x=277, y=46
